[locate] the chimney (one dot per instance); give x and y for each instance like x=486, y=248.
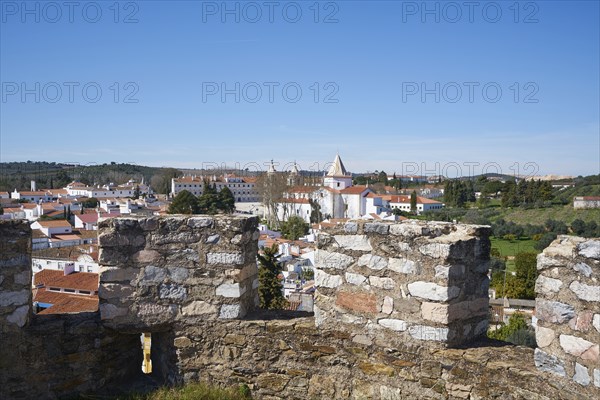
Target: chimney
x=33, y=187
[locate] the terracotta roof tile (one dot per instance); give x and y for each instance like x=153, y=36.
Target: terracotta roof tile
x=354, y=190
x=55, y=224
x=76, y=280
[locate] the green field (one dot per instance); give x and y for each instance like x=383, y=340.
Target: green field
x=512, y=248
x=537, y=216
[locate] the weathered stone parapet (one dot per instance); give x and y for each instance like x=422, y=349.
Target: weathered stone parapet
x=161, y=270
x=404, y=281
x=293, y=359
x=15, y=275
x=568, y=309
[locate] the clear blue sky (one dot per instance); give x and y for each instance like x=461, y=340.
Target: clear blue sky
x=375, y=61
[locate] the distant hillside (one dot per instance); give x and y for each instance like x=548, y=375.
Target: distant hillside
x=18, y=175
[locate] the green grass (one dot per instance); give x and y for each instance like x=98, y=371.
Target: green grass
x=195, y=391
x=512, y=248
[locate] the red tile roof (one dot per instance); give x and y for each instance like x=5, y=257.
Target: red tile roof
x=359, y=189
x=76, y=280
x=90, y=218
x=54, y=224
x=65, y=303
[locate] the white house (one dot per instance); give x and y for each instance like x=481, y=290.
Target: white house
x=242, y=188
x=50, y=228
x=336, y=198
x=88, y=222
x=32, y=196
x=70, y=259
x=581, y=202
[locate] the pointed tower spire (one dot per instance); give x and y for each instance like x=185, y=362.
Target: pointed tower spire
x=337, y=168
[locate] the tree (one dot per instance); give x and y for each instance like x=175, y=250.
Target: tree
x=208, y=203
x=1, y=210
x=226, y=201
x=136, y=193
x=271, y=188
x=525, y=264
x=315, y=212
x=270, y=289
x=161, y=182
x=382, y=177
x=184, y=203
x=294, y=228
x=516, y=332
x=413, y=201
x=578, y=226
x=545, y=241
x=92, y=202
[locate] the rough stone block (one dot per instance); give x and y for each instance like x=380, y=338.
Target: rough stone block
x=544, y=262
x=403, y=266
x=597, y=377
x=373, y=262
x=393, y=324
x=423, y=332
x=377, y=227
x=574, y=345
x=582, y=376
x=19, y=316
x=590, y=249
x=355, y=279
x=199, y=307
x=583, y=269
x=544, y=336
x=382, y=283
x=172, y=291
x=585, y=292
x=199, y=222
x=362, y=302
x=323, y=279
x=547, y=285
x=548, y=363
x=407, y=230
x=432, y=291
x=231, y=311
x=553, y=311
x=354, y=242
x=328, y=260
x=110, y=311
x=225, y=258
x=435, y=250
x=230, y=290
x=14, y=298
x=388, y=305
x=596, y=322
x=351, y=227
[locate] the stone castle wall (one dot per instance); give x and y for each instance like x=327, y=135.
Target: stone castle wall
x=43, y=356
x=568, y=310
x=160, y=272
x=401, y=282
x=191, y=282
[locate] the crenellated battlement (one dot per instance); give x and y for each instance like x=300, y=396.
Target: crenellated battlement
x=401, y=312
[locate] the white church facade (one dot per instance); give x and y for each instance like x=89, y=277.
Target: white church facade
x=337, y=198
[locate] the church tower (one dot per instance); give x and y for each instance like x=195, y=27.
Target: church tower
x=294, y=177
x=337, y=177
